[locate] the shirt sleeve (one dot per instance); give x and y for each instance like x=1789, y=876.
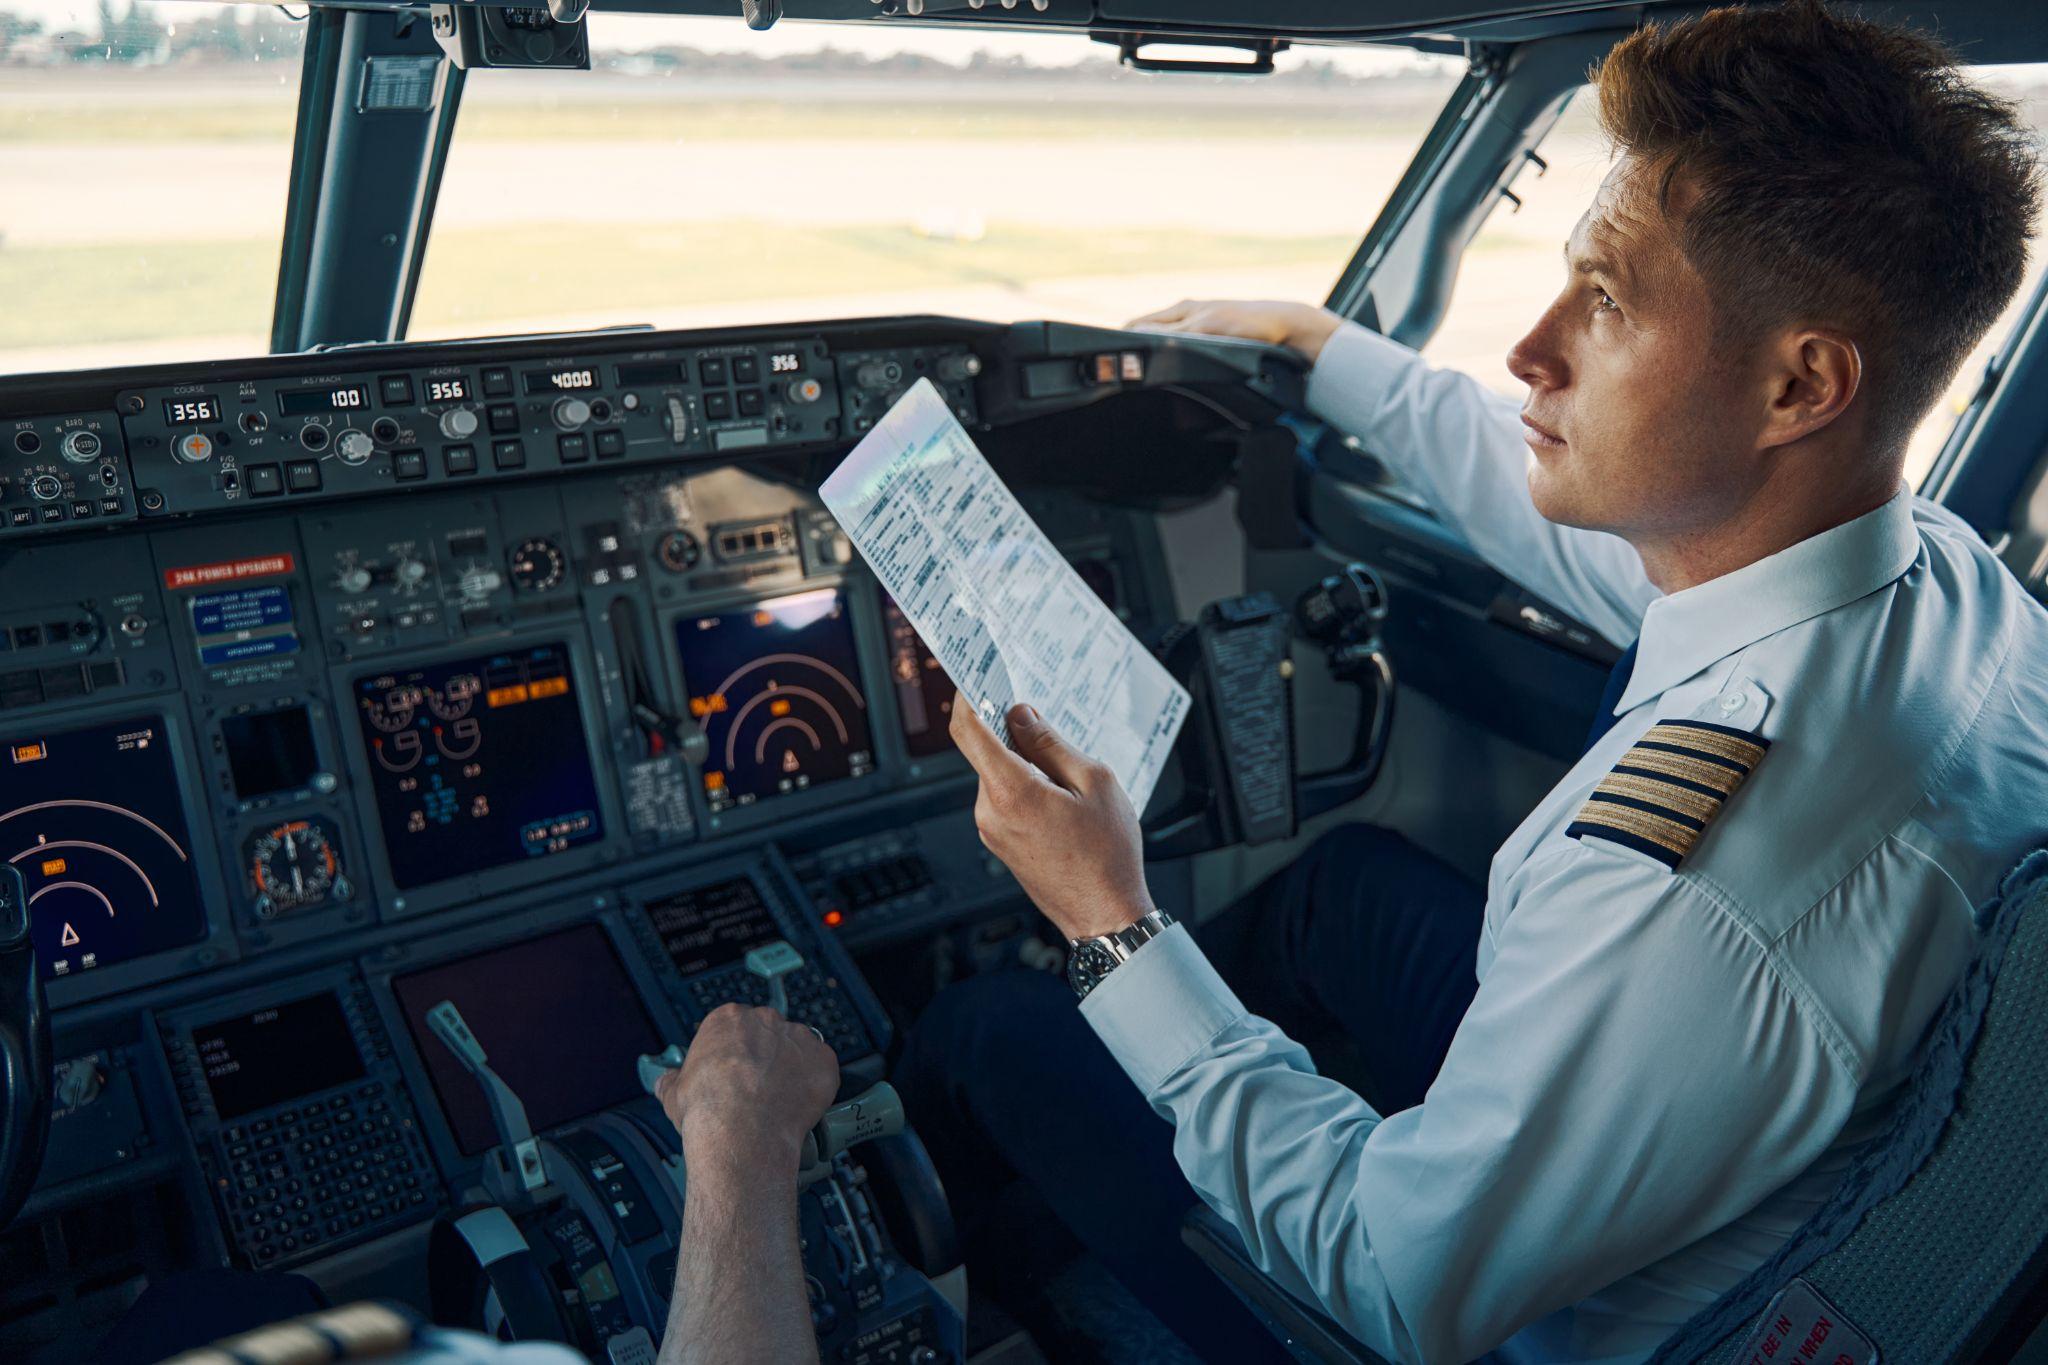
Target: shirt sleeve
x=1460, y=446
x=1631, y=1076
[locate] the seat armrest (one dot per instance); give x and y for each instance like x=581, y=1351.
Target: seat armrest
x=1307, y=1333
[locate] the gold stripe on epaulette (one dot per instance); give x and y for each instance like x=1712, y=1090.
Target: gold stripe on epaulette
x=1721, y=778
x=1668, y=833
x=1669, y=795
x=1743, y=751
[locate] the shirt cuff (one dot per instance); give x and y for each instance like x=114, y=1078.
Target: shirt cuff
x=1161, y=1008
x=1353, y=373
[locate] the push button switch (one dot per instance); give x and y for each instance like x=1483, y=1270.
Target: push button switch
x=302, y=476
x=408, y=465
x=459, y=459
x=262, y=480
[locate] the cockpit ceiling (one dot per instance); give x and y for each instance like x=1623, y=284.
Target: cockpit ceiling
x=1985, y=31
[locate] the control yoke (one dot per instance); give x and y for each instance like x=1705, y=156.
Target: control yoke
x=518, y=1180
x=875, y=1112
x=25, y=1073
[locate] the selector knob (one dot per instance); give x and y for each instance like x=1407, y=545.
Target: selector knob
x=194, y=447
x=353, y=580
x=878, y=374
x=805, y=390
x=46, y=487
x=954, y=368
x=459, y=424
x=476, y=584
x=353, y=446
x=411, y=573
x=82, y=447
x=571, y=413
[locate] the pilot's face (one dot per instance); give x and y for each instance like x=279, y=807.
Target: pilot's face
x=1635, y=417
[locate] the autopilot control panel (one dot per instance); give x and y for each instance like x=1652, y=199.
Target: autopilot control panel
x=527, y=675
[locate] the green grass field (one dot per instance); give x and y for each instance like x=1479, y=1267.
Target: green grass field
x=664, y=120
x=65, y=295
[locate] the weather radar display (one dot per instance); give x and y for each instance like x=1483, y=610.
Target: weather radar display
x=477, y=763
x=776, y=688
x=108, y=879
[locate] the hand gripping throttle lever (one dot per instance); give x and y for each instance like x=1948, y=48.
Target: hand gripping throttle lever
x=875, y=1112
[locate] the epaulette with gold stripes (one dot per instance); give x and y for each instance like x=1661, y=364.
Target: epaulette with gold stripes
x=358, y=1331
x=1667, y=789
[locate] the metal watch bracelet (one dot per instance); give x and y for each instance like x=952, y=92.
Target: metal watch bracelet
x=1089, y=960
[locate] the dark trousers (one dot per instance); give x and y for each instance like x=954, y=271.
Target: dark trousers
x=1046, y=1147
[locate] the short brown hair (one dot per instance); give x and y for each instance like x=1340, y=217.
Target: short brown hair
x=1839, y=173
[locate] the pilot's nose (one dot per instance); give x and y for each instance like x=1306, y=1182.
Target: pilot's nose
x=1536, y=359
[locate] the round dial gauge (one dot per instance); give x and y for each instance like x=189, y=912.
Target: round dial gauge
x=537, y=564
x=292, y=865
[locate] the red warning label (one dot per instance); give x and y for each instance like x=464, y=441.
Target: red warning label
x=226, y=571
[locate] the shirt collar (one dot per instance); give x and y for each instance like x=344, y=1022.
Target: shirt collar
x=1689, y=630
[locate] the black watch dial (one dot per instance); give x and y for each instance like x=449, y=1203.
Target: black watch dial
x=1090, y=962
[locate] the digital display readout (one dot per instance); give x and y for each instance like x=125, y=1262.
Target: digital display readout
x=649, y=372
x=454, y=390
x=785, y=362
x=707, y=927
x=279, y=1053
x=477, y=763
x=561, y=381
x=185, y=412
x=777, y=689
x=337, y=398
x=94, y=821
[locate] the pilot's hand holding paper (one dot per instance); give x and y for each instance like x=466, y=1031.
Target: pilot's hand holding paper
x=1060, y=821
x=1011, y=622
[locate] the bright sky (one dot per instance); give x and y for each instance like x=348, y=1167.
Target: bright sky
x=626, y=32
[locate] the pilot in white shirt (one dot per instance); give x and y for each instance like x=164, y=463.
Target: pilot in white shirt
x=1709, y=954
x=1706, y=962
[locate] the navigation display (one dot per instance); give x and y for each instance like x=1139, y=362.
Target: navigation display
x=777, y=690
x=557, y=1016
x=279, y=1053
x=924, y=693
x=706, y=927
x=478, y=763
x=92, y=819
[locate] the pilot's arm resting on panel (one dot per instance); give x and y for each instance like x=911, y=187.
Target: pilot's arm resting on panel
x=1673, y=1050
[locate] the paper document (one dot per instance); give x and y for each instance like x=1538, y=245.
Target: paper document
x=1001, y=609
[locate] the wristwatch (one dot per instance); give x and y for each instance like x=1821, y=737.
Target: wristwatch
x=1091, y=959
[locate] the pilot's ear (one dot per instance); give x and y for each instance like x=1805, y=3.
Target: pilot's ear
x=1814, y=377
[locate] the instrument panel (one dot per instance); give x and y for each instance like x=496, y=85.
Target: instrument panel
x=524, y=675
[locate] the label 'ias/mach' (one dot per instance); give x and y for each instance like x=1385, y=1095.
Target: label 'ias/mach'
x=1001, y=609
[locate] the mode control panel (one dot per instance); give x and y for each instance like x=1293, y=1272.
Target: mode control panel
x=217, y=445
x=58, y=472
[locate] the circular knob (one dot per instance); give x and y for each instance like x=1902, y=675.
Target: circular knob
x=571, y=413
x=353, y=446
x=954, y=368
x=411, y=573
x=133, y=624
x=354, y=579
x=194, y=447
x=878, y=374
x=82, y=447
x=458, y=424
x=477, y=584
x=805, y=390
x=78, y=1084
x=46, y=487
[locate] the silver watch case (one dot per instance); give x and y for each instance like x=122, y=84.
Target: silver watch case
x=1089, y=960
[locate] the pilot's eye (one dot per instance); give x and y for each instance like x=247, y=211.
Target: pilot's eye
x=1603, y=302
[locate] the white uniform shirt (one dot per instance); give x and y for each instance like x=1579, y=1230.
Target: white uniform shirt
x=1664, y=1071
